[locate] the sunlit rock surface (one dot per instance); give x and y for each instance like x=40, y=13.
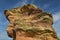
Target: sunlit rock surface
x=30, y=23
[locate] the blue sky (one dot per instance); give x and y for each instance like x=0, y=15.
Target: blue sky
x=52, y=6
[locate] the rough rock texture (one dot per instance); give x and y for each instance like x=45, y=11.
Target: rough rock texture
x=30, y=23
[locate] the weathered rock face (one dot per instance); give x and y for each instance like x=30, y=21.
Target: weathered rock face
x=30, y=23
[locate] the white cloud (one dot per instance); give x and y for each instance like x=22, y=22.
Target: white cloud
x=20, y=3
x=3, y=36
x=56, y=24
x=56, y=16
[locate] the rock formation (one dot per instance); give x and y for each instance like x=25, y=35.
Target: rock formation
x=30, y=23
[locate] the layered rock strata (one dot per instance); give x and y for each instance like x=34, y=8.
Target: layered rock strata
x=30, y=23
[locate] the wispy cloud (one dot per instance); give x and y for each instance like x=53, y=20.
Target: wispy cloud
x=56, y=24
x=3, y=20
x=20, y=3
x=56, y=16
x=3, y=36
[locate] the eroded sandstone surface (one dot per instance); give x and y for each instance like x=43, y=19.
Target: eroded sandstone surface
x=28, y=22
